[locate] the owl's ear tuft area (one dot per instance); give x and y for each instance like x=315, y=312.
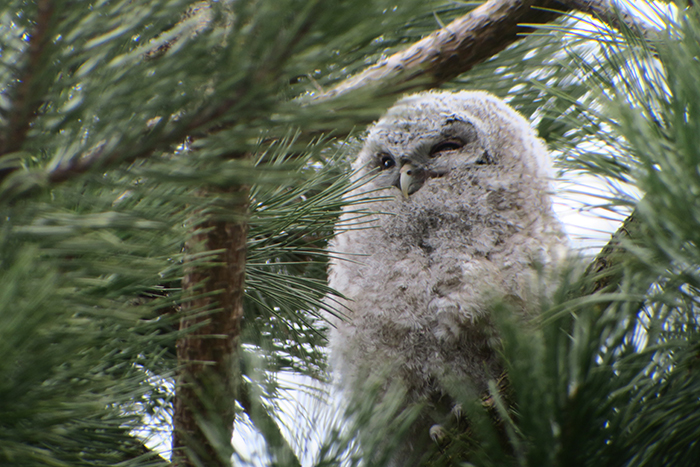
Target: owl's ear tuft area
x=448, y=145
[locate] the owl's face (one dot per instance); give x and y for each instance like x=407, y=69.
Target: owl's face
x=431, y=135
x=406, y=162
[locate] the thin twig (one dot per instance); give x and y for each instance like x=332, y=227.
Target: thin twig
x=612, y=15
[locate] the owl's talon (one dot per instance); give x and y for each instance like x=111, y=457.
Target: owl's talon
x=457, y=411
x=437, y=433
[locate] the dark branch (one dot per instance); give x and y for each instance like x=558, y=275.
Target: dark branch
x=605, y=272
x=24, y=102
x=454, y=49
x=473, y=38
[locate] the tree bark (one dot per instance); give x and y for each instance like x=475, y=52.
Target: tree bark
x=473, y=38
x=454, y=49
x=208, y=349
x=605, y=272
x=28, y=85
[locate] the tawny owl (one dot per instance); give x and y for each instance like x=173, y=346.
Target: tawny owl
x=464, y=218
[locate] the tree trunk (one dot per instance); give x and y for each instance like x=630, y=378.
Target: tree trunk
x=208, y=355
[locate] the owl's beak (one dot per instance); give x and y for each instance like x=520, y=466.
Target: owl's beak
x=407, y=179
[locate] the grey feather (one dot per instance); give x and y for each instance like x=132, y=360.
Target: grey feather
x=473, y=224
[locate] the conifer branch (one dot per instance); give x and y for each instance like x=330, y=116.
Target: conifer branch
x=473, y=38
x=454, y=49
x=605, y=272
x=103, y=156
x=24, y=102
x=435, y=59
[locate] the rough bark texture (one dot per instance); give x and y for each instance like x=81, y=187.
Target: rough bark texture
x=605, y=272
x=456, y=48
x=208, y=356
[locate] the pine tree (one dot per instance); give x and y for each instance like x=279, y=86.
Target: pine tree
x=171, y=171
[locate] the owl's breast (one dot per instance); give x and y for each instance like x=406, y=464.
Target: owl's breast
x=421, y=280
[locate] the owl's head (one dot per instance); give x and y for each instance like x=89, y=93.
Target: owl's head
x=434, y=134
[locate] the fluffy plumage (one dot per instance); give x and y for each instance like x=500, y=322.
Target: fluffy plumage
x=466, y=218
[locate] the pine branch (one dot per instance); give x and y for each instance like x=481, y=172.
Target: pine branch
x=435, y=59
x=100, y=157
x=454, y=49
x=605, y=272
x=24, y=103
x=473, y=38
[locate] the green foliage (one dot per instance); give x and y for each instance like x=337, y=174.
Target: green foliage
x=116, y=119
x=75, y=371
x=113, y=117
x=611, y=378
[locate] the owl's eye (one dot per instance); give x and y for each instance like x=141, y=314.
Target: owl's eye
x=445, y=146
x=386, y=161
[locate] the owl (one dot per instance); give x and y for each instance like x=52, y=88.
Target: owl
x=456, y=193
